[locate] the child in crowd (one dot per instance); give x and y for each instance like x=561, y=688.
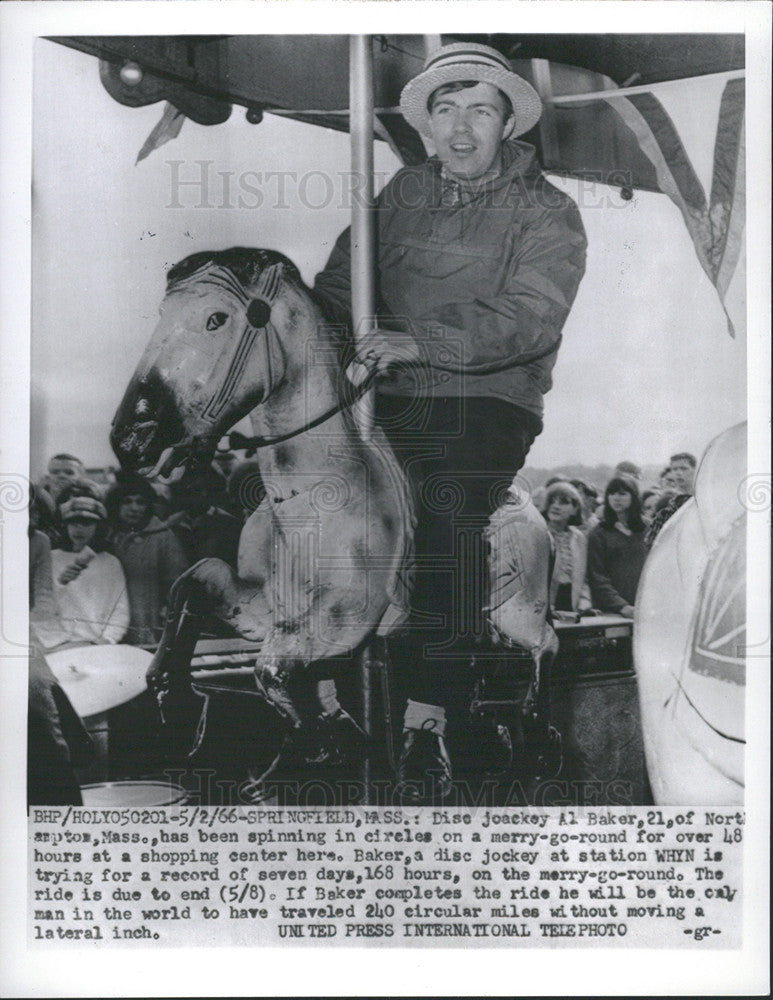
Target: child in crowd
x=151, y=556
x=89, y=585
x=563, y=513
x=200, y=518
x=650, y=500
x=616, y=550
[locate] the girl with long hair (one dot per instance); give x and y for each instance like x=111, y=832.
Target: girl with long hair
x=616, y=549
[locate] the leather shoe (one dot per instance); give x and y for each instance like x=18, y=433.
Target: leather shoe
x=335, y=741
x=424, y=770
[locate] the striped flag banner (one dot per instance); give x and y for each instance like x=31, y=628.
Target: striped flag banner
x=716, y=224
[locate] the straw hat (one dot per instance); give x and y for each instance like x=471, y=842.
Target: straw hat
x=469, y=61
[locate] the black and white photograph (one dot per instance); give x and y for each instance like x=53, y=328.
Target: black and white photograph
x=385, y=445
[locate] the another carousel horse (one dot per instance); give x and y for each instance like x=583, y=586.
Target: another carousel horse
x=323, y=560
x=690, y=645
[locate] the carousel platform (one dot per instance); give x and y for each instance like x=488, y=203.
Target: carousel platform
x=234, y=736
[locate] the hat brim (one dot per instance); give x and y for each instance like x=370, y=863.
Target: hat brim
x=527, y=106
x=82, y=515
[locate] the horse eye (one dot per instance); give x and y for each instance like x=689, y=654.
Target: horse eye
x=216, y=320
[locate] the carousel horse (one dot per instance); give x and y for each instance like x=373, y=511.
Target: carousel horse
x=324, y=561
x=690, y=644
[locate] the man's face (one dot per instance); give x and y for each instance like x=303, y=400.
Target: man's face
x=62, y=472
x=468, y=127
x=683, y=475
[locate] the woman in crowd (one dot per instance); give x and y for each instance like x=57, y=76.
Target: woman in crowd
x=616, y=549
x=91, y=604
x=151, y=556
x=563, y=513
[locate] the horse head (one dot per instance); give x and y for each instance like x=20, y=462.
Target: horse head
x=234, y=329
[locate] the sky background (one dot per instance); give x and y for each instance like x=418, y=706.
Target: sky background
x=646, y=366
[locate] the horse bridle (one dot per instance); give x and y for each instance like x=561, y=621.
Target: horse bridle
x=257, y=308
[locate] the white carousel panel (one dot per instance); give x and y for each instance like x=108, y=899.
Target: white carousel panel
x=98, y=678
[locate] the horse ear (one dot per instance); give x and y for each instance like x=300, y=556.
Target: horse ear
x=258, y=313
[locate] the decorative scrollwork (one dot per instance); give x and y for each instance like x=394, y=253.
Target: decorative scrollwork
x=754, y=492
x=516, y=493
x=442, y=494
x=14, y=493
x=330, y=494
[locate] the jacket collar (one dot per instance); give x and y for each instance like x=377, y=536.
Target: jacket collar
x=518, y=160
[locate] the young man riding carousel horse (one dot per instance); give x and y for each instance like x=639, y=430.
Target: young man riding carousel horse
x=479, y=260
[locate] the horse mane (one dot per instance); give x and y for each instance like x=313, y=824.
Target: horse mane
x=245, y=263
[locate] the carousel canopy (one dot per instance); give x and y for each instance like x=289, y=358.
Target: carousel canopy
x=603, y=120
x=307, y=77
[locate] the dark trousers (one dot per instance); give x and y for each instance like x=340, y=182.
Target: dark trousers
x=460, y=455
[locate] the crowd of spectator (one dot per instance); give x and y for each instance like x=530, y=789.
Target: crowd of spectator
x=103, y=556
x=602, y=539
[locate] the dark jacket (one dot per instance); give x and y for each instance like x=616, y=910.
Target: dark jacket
x=485, y=284
x=152, y=559
x=615, y=563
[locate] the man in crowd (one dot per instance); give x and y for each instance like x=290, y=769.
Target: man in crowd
x=682, y=468
x=63, y=470
x=479, y=260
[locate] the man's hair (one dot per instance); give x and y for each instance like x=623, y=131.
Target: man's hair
x=457, y=85
x=64, y=457
x=685, y=456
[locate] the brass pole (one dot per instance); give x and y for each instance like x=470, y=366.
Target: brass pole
x=363, y=222
x=363, y=286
